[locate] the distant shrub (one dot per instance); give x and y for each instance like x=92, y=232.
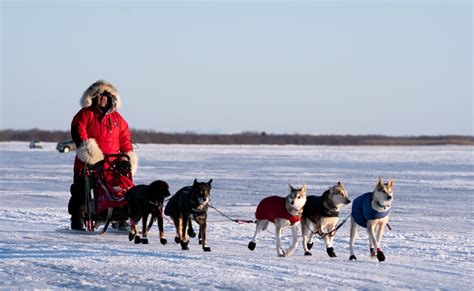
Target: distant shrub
x=250, y=138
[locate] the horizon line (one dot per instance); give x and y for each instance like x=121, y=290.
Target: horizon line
x=262, y=132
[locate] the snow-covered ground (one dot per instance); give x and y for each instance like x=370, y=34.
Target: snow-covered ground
x=430, y=245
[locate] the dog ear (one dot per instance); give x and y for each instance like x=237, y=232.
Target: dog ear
x=290, y=188
x=379, y=183
x=304, y=188
x=195, y=182
x=340, y=185
x=391, y=183
x=209, y=183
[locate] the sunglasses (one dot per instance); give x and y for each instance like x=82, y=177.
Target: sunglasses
x=106, y=94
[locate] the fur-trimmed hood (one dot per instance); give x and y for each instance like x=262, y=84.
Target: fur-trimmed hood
x=97, y=88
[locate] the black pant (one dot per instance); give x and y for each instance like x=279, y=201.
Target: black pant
x=77, y=203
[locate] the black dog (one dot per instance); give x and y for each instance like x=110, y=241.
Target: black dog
x=189, y=203
x=144, y=200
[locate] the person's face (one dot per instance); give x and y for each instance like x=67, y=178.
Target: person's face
x=102, y=101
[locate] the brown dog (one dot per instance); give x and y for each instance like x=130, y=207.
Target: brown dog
x=190, y=203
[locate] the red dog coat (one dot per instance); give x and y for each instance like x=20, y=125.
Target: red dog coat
x=274, y=207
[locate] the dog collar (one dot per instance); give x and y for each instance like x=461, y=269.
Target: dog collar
x=385, y=208
x=298, y=211
x=329, y=206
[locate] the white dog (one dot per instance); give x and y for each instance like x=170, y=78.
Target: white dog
x=283, y=212
x=371, y=210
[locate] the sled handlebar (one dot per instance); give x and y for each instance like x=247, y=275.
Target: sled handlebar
x=109, y=159
x=120, y=155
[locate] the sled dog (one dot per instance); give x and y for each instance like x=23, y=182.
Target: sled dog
x=283, y=212
x=190, y=203
x=371, y=210
x=144, y=200
x=321, y=215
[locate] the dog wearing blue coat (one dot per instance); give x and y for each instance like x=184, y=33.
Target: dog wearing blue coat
x=371, y=210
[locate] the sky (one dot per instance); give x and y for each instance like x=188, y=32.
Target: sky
x=309, y=67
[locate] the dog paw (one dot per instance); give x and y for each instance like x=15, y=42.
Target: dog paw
x=163, y=241
x=206, y=249
x=331, y=252
x=372, y=252
x=191, y=233
x=176, y=239
x=380, y=256
x=281, y=255
x=308, y=254
x=289, y=253
x=309, y=245
x=138, y=240
x=144, y=241
x=131, y=236
x=352, y=258
x=184, y=246
x=252, y=245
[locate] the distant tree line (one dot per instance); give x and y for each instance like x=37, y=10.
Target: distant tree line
x=34, y=134
x=247, y=138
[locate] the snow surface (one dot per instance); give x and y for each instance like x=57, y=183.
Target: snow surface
x=430, y=245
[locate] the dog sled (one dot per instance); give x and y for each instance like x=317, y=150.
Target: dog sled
x=106, y=183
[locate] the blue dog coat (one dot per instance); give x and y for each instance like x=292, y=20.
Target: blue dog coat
x=362, y=211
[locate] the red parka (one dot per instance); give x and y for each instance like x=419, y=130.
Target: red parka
x=110, y=130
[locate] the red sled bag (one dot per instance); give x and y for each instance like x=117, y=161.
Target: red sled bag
x=110, y=188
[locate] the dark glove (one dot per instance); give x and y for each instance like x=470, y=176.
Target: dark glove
x=123, y=167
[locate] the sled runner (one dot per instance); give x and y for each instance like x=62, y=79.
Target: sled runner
x=106, y=183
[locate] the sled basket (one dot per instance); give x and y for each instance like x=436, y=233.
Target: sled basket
x=109, y=184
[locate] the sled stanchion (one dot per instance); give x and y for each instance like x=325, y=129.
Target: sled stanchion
x=89, y=200
x=239, y=221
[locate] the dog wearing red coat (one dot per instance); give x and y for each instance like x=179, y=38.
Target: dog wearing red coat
x=283, y=212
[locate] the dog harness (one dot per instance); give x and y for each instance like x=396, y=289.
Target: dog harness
x=315, y=209
x=274, y=207
x=362, y=211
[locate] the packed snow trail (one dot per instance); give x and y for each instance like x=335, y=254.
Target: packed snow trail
x=430, y=245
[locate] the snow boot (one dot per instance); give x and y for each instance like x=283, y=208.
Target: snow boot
x=77, y=224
